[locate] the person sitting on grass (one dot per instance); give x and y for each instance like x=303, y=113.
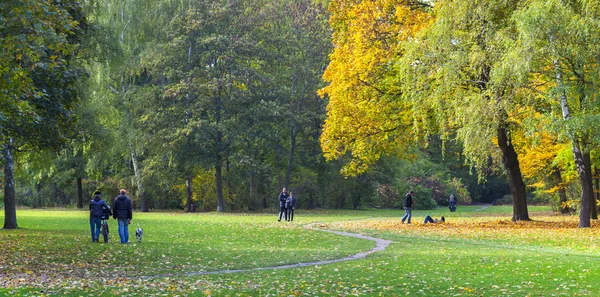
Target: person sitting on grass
x=429, y=219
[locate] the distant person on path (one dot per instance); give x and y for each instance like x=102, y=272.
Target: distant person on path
x=452, y=203
x=283, y=196
x=291, y=205
x=122, y=211
x=97, y=208
x=408, y=202
x=429, y=219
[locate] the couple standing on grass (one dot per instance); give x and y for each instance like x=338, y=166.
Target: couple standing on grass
x=122, y=212
x=287, y=204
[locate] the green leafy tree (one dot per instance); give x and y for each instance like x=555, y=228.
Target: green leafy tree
x=557, y=46
x=40, y=42
x=297, y=43
x=449, y=74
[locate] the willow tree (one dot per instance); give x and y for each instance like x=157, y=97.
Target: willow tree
x=364, y=118
x=126, y=30
x=559, y=44
x=452, y=77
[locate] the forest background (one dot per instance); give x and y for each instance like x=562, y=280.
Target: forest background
x=217, y=105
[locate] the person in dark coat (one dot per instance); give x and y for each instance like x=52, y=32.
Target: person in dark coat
x=291, y=205
x=452, y=203
x=122, y=212
x=283, y=196
x=408, y=202
x=97, y=208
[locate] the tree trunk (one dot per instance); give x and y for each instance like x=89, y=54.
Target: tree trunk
x=79, y=193
x=582, y=163
x=562, y=193
x=230, y=192
x=293, y=134
x=584, y=178
x=251, y=185
x=10, y=199
x=596, y=189
x=138, y=181
x=189, y=194
x=218, y=152
x=38, y=195
x=517, y=186
x=593, y=210
x=219, y=181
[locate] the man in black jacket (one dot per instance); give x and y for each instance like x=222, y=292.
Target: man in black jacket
x=283, y=196
x=291, y=205
x=408, y=202
x=122, y=211
x=97, y=208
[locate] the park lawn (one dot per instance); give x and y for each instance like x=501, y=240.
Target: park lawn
x=479, y=252
x=52, y=246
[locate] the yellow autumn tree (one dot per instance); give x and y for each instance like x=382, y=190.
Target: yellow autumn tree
x=542, y=164
x=365, y=117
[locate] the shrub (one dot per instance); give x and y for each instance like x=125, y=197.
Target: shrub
x=174, y=204
x=506, y=200
x=422, y=198
x=386, y=195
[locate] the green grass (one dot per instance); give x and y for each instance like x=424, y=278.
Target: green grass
x=479, y=252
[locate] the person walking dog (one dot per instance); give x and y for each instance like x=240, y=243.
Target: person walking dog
x=122, y=212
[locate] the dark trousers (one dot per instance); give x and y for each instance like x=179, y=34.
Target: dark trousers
x=428, y=219
x=282, y=212
x=290, y=214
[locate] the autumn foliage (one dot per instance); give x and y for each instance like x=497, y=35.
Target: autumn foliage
x=364, y=117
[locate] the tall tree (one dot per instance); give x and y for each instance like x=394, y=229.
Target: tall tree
x=364, y=116
x=450, y=76
x=40, y=42
x=125, y=85
x=212, y=69
x=297, y=36
x=548, y=48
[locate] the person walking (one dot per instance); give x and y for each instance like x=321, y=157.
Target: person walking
x=122, y=212
x=408, y=202
x=97, y=208
x=290, y=207
x=283, y=196
x=452, y=203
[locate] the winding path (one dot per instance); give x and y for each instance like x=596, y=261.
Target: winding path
x=484, y=206
x=380, y=245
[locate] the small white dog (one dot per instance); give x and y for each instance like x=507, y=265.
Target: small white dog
x=138, y=234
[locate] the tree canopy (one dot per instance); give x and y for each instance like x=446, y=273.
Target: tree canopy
x=217, y=105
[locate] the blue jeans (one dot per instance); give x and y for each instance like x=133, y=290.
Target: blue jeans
x=428, y=219
x=408, y=214
x=123, y=230
x=95, y=228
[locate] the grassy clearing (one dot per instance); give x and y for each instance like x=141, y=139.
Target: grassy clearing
x=479, y=252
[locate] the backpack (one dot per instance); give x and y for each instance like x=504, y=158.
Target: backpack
x=96, y=208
